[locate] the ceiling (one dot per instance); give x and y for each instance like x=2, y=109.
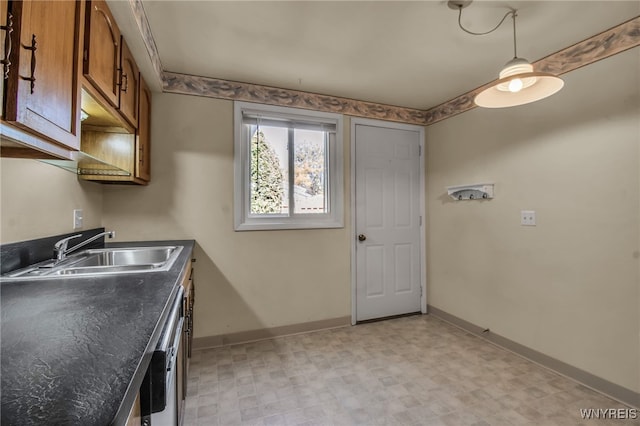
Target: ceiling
x=405, y=53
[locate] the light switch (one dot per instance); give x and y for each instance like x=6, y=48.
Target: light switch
x=77, y=219
x=528, y=218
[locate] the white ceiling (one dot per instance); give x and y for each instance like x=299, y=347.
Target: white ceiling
x=406, y=53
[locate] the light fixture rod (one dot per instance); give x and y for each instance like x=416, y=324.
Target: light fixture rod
x=515, y=48
x=511, y=12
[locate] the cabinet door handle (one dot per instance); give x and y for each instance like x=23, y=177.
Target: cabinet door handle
x=124, y=82
x=32, y=48
x=7, y=44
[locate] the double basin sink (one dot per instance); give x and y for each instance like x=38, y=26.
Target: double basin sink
x=95, y=262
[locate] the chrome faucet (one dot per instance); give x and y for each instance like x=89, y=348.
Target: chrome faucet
x=60, y=249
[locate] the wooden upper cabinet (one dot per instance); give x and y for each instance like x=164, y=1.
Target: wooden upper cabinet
x=129, y=85
x=42, y=89
x=102, y=50
x=143, y=135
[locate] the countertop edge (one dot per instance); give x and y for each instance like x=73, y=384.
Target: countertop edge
x=136, y=381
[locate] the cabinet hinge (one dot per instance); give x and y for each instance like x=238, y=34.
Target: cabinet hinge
x=85, y=55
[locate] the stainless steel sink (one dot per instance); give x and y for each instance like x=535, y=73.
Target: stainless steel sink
x=153, y=256
x=96, y=262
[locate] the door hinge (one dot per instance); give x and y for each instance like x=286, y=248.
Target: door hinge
x=420, y=220
x=420, y=150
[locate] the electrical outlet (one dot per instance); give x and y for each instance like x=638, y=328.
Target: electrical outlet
x=528, y=218
x=77, y=219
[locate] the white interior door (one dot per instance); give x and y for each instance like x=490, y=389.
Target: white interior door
x=387, y=221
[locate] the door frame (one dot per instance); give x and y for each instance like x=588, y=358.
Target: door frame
x=422, y=204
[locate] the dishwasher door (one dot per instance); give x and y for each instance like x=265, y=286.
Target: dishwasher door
x=169, y=416
x=164, y=367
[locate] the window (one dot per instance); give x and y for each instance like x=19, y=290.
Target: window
x=288, y=168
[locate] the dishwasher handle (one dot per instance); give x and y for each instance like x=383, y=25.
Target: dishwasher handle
x=173, y=351
x=172, y=322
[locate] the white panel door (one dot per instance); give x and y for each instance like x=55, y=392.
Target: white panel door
x=388, y=275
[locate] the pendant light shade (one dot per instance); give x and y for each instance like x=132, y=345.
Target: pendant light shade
x=518, y=85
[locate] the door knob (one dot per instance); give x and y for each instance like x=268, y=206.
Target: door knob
x=362, y=237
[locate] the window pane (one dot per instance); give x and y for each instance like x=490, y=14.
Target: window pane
x=309, y=191
x=269, y=171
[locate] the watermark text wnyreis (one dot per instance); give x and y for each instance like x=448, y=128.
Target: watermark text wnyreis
x=610, y=413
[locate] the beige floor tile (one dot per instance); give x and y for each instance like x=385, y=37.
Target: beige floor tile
x=408, y=371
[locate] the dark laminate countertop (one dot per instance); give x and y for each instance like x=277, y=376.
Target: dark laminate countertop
x=75, y=350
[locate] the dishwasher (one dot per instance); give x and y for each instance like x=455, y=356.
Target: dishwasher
x=164, y=367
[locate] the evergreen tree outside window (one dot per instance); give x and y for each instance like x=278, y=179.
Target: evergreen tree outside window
x=266, y=177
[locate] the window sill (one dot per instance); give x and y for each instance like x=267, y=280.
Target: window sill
x=275, y=225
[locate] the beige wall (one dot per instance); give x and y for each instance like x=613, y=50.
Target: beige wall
x=244, y=280
x=568, y=287
x=37, y=200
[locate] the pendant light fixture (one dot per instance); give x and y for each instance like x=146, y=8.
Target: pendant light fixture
x=518, y=83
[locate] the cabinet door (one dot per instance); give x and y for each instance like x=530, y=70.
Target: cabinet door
x=143, y=135
x=129, y=85
x=192, y=295
x=180, y=379
x=102, y=50
x=42, y=92
x=7, y=24
x=135, y=416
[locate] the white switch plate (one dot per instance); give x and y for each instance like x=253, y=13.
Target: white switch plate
x=528, y=218
x=77, y=219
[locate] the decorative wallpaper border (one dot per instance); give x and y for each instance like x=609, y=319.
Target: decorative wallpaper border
x=225, y=89
x=601, y=46
x=140, y=17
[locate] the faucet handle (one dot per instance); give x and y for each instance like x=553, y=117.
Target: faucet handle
x=62, y=244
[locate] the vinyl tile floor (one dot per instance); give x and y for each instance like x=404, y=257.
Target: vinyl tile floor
x=408, y=371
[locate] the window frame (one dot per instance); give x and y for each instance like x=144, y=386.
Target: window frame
x=243, y=219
